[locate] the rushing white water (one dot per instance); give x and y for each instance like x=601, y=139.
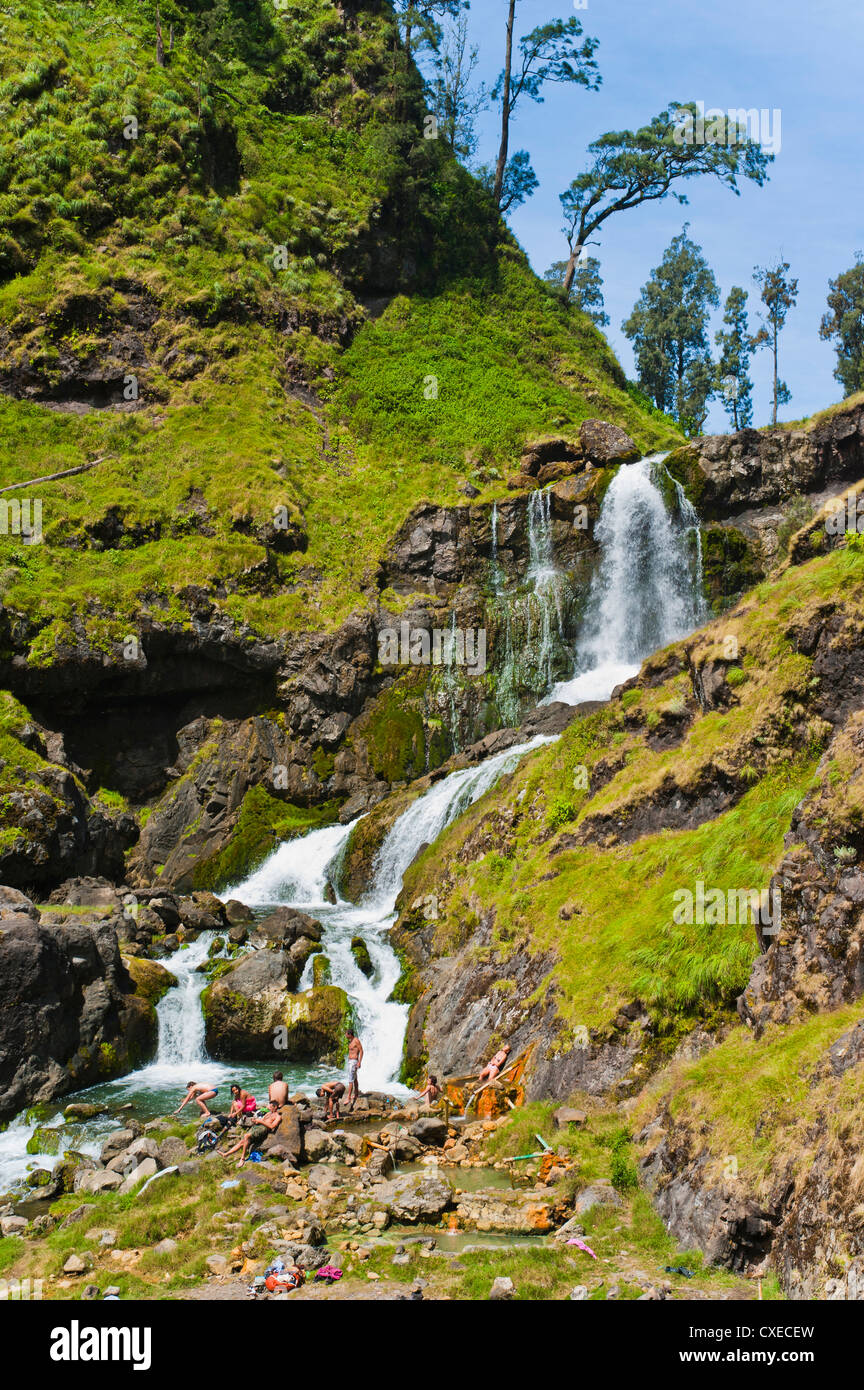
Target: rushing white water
x=647, y=589
x=298, y=873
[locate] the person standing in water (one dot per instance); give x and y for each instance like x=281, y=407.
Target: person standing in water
x=355, y=1057
x=200, y=1094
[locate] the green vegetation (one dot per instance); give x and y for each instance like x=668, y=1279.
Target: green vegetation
x=217, y=253
x=605, y=911
x=263, y=823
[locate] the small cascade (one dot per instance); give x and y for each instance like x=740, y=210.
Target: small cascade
x=180, y=1049
x=647, y=590
x=534, y=617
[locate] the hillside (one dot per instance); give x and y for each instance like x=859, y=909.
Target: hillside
x=283, y=391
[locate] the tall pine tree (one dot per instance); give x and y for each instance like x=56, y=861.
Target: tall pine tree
x=779, y=293
x=845, y=324
x=669, y=331
x=733, y=384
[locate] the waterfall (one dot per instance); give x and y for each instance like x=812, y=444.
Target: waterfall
x=297, y=875
x=535, y=619
x=647, y=589
x=180, y=1048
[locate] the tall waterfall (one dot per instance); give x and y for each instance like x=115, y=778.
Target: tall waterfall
x=647, y=589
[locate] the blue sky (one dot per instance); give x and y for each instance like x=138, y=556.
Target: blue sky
x=805, y=58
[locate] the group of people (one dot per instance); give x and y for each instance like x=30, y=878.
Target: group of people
x=256, y=1127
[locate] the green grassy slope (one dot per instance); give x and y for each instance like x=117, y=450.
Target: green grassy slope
x=282, y=262
x=578, y=855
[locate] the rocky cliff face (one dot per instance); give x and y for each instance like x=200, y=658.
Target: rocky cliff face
x=69, y=1011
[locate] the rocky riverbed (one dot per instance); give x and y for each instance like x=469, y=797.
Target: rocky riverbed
x=406, y=1203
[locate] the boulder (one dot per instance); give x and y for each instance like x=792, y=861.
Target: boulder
x=541, y=454
x=322, y=1178
x=145, y=1148
x=12, y=1225
x=502, y=1287
x=69, y=1012
x=318, y=1144
x=237, y=912
x=286, y=1144
x=16, y=904
x=96, y=1180
x=565, y=1116
x=116, y=1143
x=606, y=444
x=362, y=958
x=429, y=1130
x=147, y=1168
x=600, y=1193
x=81, y=1111
x=251, y=1013
x=172, y=1150
x=416, y=1197
x=286, y=925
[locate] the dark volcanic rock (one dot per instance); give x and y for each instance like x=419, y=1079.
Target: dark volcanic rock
x=69, y=1015
x=605, y=443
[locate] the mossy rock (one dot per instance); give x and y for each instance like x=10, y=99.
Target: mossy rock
x=40, y=1177
x=250, y=1014
x=263, y=823
x=45, y=1140
x=729, y=564
x=364, y=842
x=321, y=973
x=399, y=745
x=362, y=958
x=152, y=981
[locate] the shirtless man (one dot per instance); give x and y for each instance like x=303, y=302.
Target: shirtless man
x=493, y=1067
x=256, y=1134
x=200, y=1094
x=332, y=1092
x=355, y=1057
x=278, y=1089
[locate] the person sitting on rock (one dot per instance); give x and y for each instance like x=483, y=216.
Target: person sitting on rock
x=255, y=1135
x=243, y=1106
x=430, y=1093
x=278, y=1089
x=200, y=1093
x=493, y=1067
x=332, y=1092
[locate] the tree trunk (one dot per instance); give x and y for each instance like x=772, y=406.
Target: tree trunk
x=774, y=420
x=570, y=272
x=498, y=187
x=160, y=47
